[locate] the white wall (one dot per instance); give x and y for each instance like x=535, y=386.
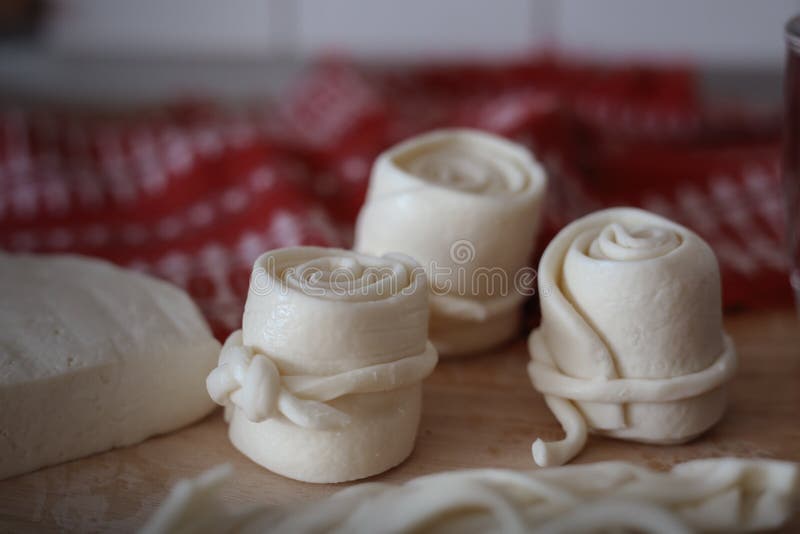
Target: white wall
x=411, y=29
x=142, y=28
x=112, y=52
x=729, y=32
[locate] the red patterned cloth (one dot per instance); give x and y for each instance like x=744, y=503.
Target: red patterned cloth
x=195, y=193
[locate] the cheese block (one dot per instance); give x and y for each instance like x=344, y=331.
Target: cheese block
x=93, y=357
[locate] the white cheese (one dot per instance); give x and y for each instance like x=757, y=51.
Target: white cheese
x=323, y=382
x=631, y=342
x=466, y=205
x=93, y=357
x=708, y=495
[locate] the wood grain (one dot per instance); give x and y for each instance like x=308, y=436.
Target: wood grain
x=478, y=412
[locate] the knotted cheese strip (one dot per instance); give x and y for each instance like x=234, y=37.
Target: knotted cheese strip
x=631, y=342
x=466, y=205
x=720, y=495
x=253, y=383
x=322, y=383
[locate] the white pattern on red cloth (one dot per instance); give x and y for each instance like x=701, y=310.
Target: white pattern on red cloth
x=194, y=193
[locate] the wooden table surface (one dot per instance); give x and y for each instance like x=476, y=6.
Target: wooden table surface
x=478, y=412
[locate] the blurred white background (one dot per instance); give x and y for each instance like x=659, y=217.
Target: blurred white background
x=144, y=49
x=745, y=32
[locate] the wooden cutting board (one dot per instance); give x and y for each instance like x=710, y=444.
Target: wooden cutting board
x=478, y=412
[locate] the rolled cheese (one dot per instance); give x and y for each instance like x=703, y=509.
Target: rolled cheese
x=465, y=204
x=631, y=342
x=323, y=382
x=93, y=357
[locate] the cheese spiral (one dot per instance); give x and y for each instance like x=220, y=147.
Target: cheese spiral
x=631, y=342
x=466, y=205
x=322, y=383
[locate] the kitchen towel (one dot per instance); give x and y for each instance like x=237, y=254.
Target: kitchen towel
x=194, y=192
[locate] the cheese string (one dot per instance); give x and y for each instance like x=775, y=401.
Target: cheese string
x=720, y=494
